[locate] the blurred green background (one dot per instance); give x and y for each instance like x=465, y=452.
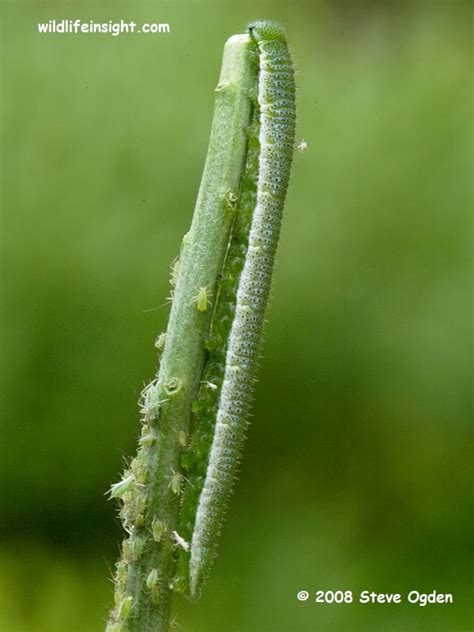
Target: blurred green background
x=356, y=471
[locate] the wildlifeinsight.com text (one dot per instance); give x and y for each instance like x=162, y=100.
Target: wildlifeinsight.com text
x=84, y=27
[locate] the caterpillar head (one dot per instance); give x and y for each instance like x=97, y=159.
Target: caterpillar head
x=266, y=30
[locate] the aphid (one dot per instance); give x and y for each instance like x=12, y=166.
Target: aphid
x=231, y=199
x=124, y=607
x=133, y=548
x=276, y=106
x=138, y=471
x=160, y=341
x=148, y=403
x=132, y=512
x=174, y=271
x=117, y=490
x=180, y=541
x=121, y=567
x=202, y=299
x=152, y=579
x=140, y=502
x=147, y=440
x=157, y=529
x=182, y=438
x=176, y=482
x=128, y=497
x=118, y=596
x=302, y=145
x=210, y=385
x=155, y=595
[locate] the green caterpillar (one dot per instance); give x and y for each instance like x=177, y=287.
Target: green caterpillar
x=246, y=281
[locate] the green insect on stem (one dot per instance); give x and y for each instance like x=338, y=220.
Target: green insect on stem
x=202, y=299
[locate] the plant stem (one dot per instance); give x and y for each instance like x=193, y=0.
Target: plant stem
x=151, y=487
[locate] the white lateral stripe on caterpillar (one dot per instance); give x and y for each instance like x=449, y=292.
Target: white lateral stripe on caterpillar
x=276, y=137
